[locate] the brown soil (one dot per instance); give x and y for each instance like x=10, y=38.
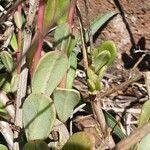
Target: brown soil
x=130, y=29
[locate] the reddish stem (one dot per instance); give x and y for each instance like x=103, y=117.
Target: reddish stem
x=71, y=13
x=40, y=21
x=71, y=24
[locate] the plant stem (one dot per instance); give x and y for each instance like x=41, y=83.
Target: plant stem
x=84, y=49
x=70, y=23
x=71, y=13
x=21, y=93
x=19, y=42
x=147, y=82
x=40, y=21
x=135, y=137
x=120, y=87
x=97, y=110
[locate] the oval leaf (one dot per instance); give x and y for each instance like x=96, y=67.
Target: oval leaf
x=36, y=145
x=49, y=72
x=3, y=147
x=72, y=70
x=13, y=42
x=60, y=5
x=38, y=116
x=62, y=37
x=80, y=141
x=18, y=19
x=111, y=48
x=145, y=143
x=7, y=60
x=3, y=113
x=50, y=10
x=65, y=100
x=145, y=113
x=102, y=59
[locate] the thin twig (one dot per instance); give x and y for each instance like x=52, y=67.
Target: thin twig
x=135, y=137
x=120, y=87
x=7, y=133
x=10, y=10
x=84, y=49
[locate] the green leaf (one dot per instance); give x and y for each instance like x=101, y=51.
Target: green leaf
x=102, y=72
x=80, y=141
x=50, y=11
x=38, y=116
x=101, y=59
x=62, y=37
x=18, y=19
x=49, y=72
x=3, y=113
x=99, y=22
x=30, y=53
x=65, y=100
x=36, y=145
x=14, y=82
x=91, y=85
x=145, y=113
x=91, y=74
x=3, y=147
x=61, y=4
x=111, y=48
x=7, y=60
x=5, y=82
x=72, y=70
x=13, y=42
x=112, y=123
x=145, y=143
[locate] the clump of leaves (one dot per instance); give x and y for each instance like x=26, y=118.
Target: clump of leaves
x=51, y=95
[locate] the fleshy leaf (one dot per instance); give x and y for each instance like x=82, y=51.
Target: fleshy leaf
x=61, y=4
x=49, y=72
x=38, y=116
x=3, y=113
x=65, y=100
x=50, y=10
x=7, y=60
x=91, y=74
x=5, y=82
x=145, y=143
x=62, y=37
x=80, y=141
x=111, y=48
x=36, y=145
x=13, y=42
x=101, y=72
x=3, y=147
x=102, y=59
x=72, y=70
x=14, y=82
x=145, y=113
x=18, y=19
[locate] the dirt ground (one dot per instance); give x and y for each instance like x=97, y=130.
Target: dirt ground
x=130, y=29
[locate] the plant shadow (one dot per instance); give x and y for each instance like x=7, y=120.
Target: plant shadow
x=135, y=55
